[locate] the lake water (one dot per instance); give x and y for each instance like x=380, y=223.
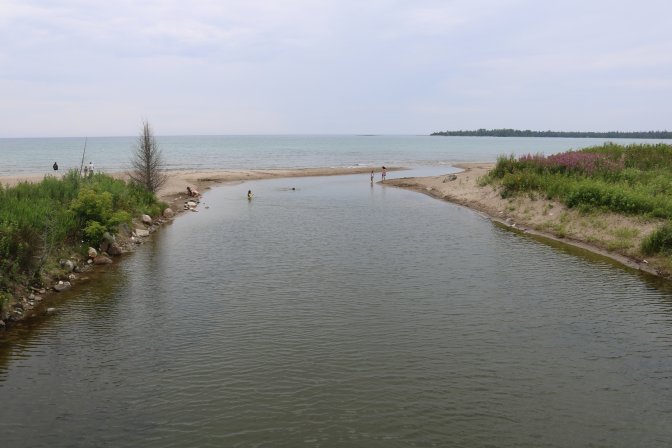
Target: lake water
x=342, y=314
x=111, y=154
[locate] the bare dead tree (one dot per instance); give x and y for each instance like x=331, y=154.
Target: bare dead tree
x=147, y=165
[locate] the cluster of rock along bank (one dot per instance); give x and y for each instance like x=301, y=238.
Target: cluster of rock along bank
x=32, y=300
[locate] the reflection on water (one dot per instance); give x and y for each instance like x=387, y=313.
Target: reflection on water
x=338, y=314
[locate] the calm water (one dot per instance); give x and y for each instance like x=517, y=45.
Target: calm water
x=342, y=314
x=35, y=156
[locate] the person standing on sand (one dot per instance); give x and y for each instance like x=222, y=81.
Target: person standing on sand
x=383, y=173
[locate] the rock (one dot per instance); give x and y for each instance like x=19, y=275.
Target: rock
x=509, y=221
x=101, y=259
x=114, y=249
x=449, y=178
x=2, y=324
x=147, y=219
x=51, y=310
x=62, y=286
x=93, y=253
x=72, y=277
x=42, y=291
x=141, y=232
x=68, y=265
x=192, y=204
x=168, y=213
x=104, y=246
x=31, y=297
x=89, y=261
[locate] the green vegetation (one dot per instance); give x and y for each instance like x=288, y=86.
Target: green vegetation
x=660, y=241
x=631, y=180
x=42, y=220
x=567, y=134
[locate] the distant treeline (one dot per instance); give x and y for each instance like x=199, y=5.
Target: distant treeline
x=528, y=133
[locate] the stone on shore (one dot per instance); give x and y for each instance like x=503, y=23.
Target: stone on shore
x=61, y=286
x=93, y=253
x=168, y=213
x=146, y=219
x=68, y=265
x=114, y=249
x=102, y=259
x=142, y=232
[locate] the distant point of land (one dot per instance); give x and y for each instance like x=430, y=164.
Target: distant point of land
x=570, y=134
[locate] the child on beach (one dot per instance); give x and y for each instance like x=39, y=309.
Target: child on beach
x=371, y=176
x=383, y=173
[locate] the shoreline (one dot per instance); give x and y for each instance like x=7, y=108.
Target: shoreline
x=177, y=181
x=523, y=215
x=31, y=302
x=527, y=215
x=463, y=190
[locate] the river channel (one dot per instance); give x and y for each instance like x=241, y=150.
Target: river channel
x=334, y=313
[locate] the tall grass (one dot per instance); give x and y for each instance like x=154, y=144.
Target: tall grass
x=634, y=179
x=39, y=218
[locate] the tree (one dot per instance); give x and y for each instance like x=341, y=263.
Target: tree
x=147, y=162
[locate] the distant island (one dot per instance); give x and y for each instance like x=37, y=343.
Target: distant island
x=528, y=133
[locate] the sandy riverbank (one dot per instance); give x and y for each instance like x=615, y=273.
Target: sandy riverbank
x=609, y=234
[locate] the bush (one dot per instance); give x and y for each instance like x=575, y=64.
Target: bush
x=36, y=219
x=659, y=241
x=634, y=179
x=93, y=232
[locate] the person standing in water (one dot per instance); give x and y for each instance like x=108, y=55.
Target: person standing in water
x=371, y=176
x=249, y=194
x=55, y=166
x=383, y=173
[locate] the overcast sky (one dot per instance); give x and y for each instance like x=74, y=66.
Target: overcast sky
x=97, y=68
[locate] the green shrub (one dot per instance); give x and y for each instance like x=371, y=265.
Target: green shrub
x=93, y=232
x=42, y=218
x=659, y=241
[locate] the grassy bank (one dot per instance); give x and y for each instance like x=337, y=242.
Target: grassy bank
x=633, y=180
x=43, y=222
